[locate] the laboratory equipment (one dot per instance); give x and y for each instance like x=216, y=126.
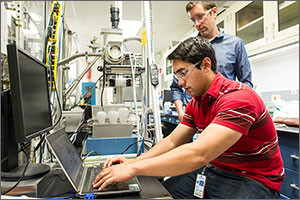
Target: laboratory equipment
x=101, y=115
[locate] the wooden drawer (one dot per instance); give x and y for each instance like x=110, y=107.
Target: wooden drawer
x=290, y=184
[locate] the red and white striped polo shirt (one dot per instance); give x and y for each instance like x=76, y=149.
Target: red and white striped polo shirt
x=235, y=105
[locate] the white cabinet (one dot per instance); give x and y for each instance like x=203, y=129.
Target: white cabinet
x=262, y=25
x=285, y=26
x=224, y=21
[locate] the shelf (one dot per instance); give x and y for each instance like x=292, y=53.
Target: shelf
x=286, y=4
x=250, y=24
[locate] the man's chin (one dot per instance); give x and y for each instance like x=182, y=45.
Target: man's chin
x=190, y=93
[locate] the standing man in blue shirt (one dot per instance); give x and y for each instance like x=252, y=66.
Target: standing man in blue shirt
x=231, y=55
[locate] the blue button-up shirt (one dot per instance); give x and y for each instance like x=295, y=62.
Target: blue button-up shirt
x=232, y=62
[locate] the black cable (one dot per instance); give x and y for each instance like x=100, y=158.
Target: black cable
x=39, y=144
x=135, y=143
x=25, y=146
x=28, y=161
x=92, y=92
x=83, y=113
x=58, y=100
x=5, y=90
x=93, y=151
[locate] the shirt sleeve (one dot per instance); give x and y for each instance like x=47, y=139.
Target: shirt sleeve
x=176, y=90
x=237, y=111
x=243, y=69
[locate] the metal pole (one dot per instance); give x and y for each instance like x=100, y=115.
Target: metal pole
x=76, y=82
x=156, y=113
x=69, y=59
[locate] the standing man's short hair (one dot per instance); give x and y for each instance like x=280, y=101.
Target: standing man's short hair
x=193, y=50
x=206, y=4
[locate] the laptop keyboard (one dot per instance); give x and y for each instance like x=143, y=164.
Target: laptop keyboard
x=92, y=173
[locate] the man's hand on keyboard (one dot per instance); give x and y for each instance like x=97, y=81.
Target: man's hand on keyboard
x=113, y=174
x=114, y=160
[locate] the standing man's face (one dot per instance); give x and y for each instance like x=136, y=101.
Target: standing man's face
x=204, y=21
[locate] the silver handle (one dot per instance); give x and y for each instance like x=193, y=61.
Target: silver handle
x=294, y=186
x=294, y=156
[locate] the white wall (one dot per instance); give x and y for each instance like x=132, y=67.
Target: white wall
x=276, y=70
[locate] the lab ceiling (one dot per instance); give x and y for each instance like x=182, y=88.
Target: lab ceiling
x=170, y=21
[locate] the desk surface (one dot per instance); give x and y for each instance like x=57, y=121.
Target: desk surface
x=288, y=129
x=151, y=188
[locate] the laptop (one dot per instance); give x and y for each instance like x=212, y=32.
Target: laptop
x=82, y=177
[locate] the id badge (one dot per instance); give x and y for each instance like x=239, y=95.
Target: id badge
x=199, y=186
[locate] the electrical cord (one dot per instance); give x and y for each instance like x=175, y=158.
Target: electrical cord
x=25, y=146
x=41, y=156
x=28, y=161
x=92, y=93
x=58, y=99
x=39, y=144
x=4, y=91
x=93, y=151
x=81, y=122
x=143, y=140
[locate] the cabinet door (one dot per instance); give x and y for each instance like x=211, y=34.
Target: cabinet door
x=286, y=21
x=249, y=22
x=224, y=22
x=263, y=25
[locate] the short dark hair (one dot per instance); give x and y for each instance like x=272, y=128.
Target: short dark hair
x=193, y=50
x=206, y=4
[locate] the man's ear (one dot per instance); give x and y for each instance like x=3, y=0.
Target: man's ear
x=215, y=11
x=206, y=64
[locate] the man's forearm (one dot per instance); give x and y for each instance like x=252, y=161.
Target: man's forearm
x=179, y=108
x=175, y=162
x=160, y=148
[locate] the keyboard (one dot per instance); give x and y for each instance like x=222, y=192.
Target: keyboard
x=92, y=173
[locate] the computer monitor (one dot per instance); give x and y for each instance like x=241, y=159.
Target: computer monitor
x=30, y=106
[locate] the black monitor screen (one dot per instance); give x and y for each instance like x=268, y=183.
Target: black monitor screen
x=30, y=94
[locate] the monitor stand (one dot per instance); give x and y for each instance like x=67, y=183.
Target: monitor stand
x=34, y=170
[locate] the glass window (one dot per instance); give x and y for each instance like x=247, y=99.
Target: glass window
x=169, y=67
x=33, y=27
x=288, y=14
x=250, y=22
x=221, y=25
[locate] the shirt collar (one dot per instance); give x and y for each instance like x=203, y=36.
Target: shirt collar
x=215, y=87
x=220, y=35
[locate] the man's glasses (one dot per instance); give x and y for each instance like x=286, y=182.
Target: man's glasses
x=182, y=73
x=200, y=17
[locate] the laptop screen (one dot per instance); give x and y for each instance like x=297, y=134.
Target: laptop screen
x=67, y=156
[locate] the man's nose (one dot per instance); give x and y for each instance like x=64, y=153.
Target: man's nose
x=181, y=82
x=197, y=23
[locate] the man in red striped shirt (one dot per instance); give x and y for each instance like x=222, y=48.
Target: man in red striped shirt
x=237, y=153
